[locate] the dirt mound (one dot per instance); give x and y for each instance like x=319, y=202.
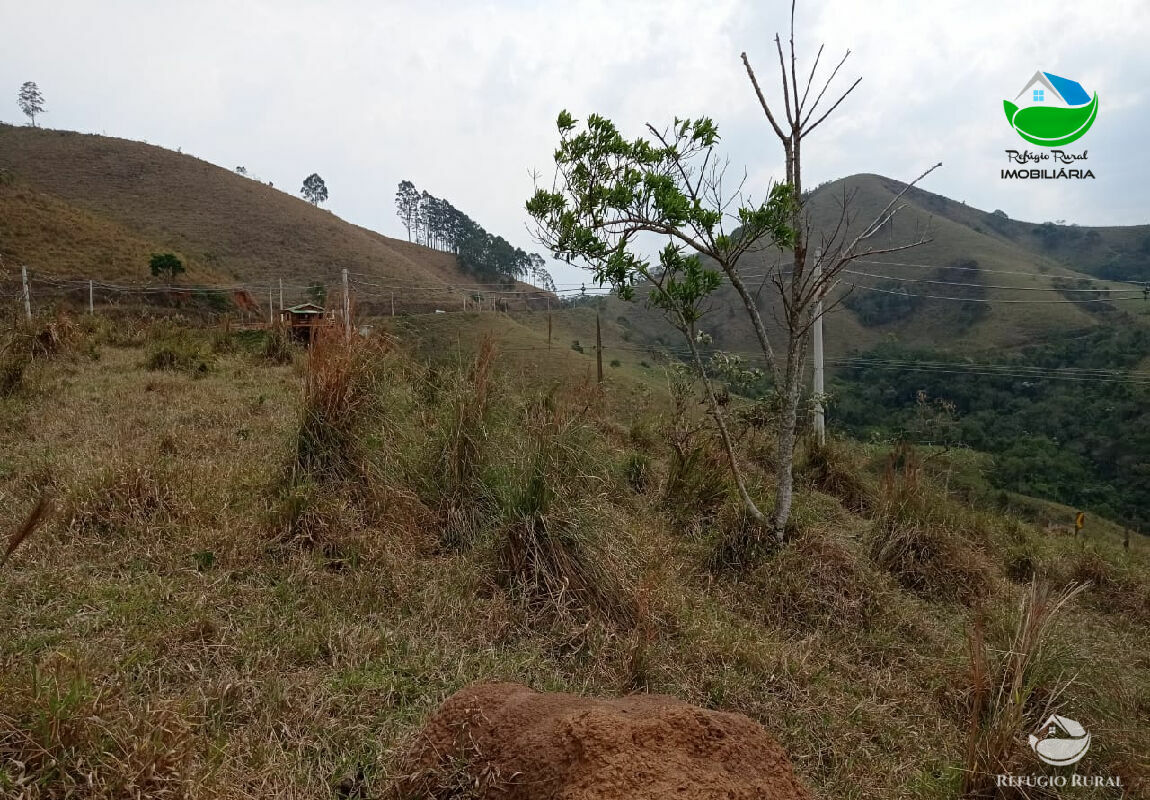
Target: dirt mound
x=502, y=740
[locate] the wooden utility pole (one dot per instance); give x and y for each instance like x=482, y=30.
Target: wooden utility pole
x=27, y=294
x=281, y=294
x=820, y=412
x=598, y=348
x=548, y=322
x=346, y=307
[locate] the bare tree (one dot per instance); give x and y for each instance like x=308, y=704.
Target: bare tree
x=809, y=279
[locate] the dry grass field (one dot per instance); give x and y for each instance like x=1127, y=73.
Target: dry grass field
x=262, y=569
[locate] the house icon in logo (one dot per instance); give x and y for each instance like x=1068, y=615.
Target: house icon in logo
x=1060, y=741
x=1045, y=89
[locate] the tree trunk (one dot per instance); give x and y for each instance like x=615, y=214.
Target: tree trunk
x=724, y=433
x=785, y=453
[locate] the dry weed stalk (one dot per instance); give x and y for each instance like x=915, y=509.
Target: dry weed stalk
x=35, y=517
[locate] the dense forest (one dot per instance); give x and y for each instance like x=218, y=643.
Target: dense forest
x=1081, y=440
x=435, y=222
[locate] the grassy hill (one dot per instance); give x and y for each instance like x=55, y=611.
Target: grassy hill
x=959, y=235
x=87, y=206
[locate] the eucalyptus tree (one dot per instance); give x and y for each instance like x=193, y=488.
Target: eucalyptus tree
x=30, y=100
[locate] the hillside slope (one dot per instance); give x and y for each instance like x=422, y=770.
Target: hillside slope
x=894, y=296
x=88, y=206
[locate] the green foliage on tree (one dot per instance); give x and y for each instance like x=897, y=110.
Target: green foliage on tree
x=612, y=193
x=30, y=100
x=314, y=190
x=166, y=264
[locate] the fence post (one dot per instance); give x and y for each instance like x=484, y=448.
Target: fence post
x=27, y=294
x=346, y=307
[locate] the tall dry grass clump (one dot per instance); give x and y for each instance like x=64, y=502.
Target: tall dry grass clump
x=551, y=553
x=463, y=456
x=923, y=538
x=338, y=392
x=1005, y=686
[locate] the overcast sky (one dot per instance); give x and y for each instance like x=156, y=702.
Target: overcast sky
x=461, y=97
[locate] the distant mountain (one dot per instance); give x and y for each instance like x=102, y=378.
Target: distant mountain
x=981, y=262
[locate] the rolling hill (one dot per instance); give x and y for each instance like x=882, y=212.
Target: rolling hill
x=985, y=260
x=86, y=206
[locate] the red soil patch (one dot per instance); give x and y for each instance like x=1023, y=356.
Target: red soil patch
x=502, y=740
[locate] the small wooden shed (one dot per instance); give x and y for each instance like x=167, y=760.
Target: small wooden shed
x=301, y=321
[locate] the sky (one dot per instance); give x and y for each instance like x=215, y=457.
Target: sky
x=461, y=97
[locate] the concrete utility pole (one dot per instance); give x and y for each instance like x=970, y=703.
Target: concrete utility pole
x=27, y=294
x=281, y=294
x=271, y=309
x=393, y=304
x=820, y=413
x=91, y=303
x=346, y=306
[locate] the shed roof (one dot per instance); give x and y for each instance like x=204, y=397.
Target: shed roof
x=305, y=308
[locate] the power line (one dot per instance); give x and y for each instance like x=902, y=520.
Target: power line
x=978, y=285
x=986, y=300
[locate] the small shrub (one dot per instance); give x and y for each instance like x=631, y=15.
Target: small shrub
x=616, y=362
x=740, y=541
x=548, y=553
x=578, y=348
x=464, y=453
x=832, y=469
x=696, y=485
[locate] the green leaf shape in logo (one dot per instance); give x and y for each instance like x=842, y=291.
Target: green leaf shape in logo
x=1047, y=126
